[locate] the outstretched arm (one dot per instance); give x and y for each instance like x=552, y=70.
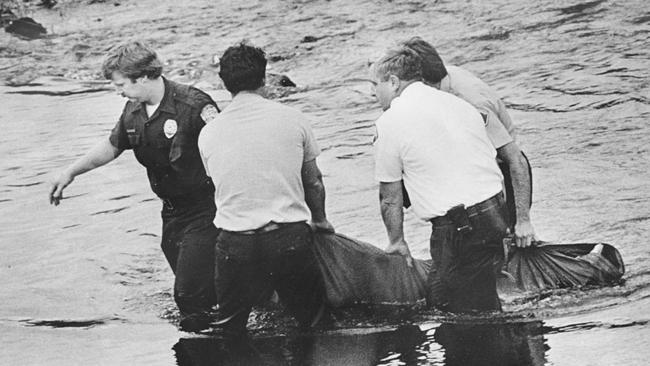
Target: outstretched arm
x=99, y=155
x=312, y=180
x=392, y=213
x=521, y=185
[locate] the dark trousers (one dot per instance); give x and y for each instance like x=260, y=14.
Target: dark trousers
x=188, y=238
x=251, y=266
x=465, y=264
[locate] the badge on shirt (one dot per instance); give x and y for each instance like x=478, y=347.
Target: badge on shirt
x=170, y=128
x=209, y=113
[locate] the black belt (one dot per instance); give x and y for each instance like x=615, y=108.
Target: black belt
x=271, y=226
x=472, y=211
x=177, y=202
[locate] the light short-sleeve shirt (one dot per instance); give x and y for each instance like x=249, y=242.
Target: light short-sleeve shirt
x=465, y=85
x=254, y=151
x=437, y=143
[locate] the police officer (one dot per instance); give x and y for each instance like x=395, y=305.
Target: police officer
x=161, y=123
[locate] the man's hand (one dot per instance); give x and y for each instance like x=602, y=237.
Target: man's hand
x=99, y=155
x=401, y=248
x=524, y=234
x=322, y=227
x=57, y=186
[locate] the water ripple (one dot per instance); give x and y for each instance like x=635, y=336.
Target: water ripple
x=68, y=323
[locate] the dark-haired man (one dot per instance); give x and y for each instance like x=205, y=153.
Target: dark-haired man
x=161, y=122
x=500, y=129
x=261, y=156
x=436, y=144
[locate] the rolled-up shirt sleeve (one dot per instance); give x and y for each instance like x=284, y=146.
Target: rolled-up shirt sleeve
x=498, y=125
x=388, y=161
x=496, y=130
x=310, y=145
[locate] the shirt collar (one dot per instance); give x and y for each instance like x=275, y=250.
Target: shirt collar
x=410, y=89
x=246, y=95
x=167, y=103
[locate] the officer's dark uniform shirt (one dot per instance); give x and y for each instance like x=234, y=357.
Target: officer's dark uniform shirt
x=166, y=142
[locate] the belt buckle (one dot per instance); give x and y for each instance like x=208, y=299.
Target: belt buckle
x=269, y=227
x=261, y=230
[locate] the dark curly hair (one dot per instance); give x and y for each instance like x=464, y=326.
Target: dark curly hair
x=242, y=67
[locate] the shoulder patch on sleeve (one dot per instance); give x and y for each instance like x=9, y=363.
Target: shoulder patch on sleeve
x=209, y=113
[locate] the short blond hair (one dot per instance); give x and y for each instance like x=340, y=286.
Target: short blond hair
x=133, y=60
x=402, y=62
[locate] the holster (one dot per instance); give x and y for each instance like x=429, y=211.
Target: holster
x=459, y=217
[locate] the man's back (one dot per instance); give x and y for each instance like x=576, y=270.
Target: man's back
x=254, y=151
x=467, y=86
x=439, y=144
x=436, y=142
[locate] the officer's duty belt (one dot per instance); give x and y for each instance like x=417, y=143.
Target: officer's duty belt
x=472, y=211
x=177, y=202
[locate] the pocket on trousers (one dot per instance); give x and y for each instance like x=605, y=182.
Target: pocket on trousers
x=296, y=239
x=489, y=228
x=440, y=234
x=440, y=240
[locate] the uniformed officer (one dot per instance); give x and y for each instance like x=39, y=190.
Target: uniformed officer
x=161, y=123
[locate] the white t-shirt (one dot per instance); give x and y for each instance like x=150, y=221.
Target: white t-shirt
x=253, y=151
x=151, y=109
x=437, y=144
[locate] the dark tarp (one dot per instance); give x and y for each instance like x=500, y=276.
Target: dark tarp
x=359, y=273
x=549, y=266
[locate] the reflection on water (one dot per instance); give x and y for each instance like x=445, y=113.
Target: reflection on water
x=516, y=344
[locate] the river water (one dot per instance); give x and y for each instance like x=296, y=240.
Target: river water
x=86, y=282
